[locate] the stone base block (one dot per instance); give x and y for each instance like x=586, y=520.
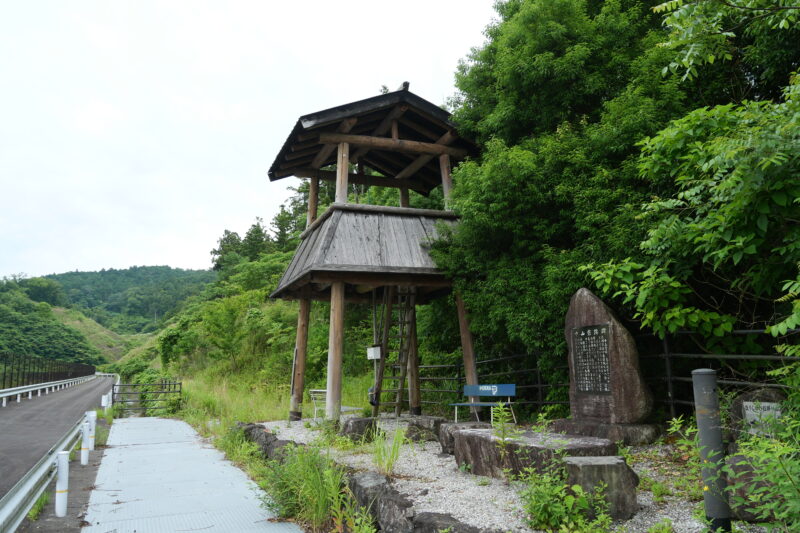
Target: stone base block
x=620, y=481
x=359, y=429
x=481, y=450
x=629, y=434
x=424, y=428
x=743, y=478
x=270, y=445
x=446, y=431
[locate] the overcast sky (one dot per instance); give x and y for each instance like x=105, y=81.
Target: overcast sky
x=134, y=133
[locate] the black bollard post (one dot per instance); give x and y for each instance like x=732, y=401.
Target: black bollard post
x=709, y=432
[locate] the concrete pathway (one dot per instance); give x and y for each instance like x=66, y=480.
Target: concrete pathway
x=157, y=475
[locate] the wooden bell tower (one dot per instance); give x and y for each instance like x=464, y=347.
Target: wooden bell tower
x=356, y=252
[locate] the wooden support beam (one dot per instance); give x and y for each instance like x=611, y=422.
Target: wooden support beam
x=358, y=179
x=384, y=143
x=447, y=180
x=404, y=200
x=333, y=398
x=342, y=172
x=395, y=131
x=382, y=128
x=425, y=132
x=414, y=397
x=313, y=201
x=387, y=328
x=325, y=152
x=422, y=160
x=467, y=347
x=299, y=366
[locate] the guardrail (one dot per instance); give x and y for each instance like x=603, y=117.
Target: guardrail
x=16, y=503
x=19, y=392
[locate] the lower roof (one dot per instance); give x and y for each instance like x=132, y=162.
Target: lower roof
x=368, y=247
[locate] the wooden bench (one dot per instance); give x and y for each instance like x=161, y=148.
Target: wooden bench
x=319, y=397
x=499, y=391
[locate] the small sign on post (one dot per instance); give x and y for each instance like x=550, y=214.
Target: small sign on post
x=374, y=353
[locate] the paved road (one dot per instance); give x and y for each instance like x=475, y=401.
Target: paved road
x=157, y=475
x=30, y=428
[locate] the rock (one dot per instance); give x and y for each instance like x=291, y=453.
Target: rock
x=359, y=429
x=424, y=428
x=606, y=383
x=438, y=522
x=479, y=449
x=447, y=429
x=749, y=408
x=620, y=480
x=391, y=510
x=743, y=481
x=628, y=434
x=270, y=445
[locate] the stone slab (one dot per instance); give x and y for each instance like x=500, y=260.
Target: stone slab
x=620, y=481
x=479, y=448
x=424, y=428
x=628, y=434
x=447, y=429
x=359, y=429
x=606, y=383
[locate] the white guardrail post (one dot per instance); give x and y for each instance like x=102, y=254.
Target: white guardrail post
x=91, y=416
x=85, y=443
x=62, y=483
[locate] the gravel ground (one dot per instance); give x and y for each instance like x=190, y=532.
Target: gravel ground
x=433, y=482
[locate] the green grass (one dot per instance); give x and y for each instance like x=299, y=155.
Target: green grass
x=385, y=451
x=112, y=345
x=39, y=506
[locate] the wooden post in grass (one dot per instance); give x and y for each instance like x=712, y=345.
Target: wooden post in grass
x=333, y=398
x=299, y=366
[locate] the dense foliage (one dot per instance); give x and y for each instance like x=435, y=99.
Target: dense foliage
x=134, y=299
x=562, y=96
x=30, y=327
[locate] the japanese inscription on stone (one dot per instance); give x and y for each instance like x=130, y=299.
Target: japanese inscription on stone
x=759, y=417
x=591, y=358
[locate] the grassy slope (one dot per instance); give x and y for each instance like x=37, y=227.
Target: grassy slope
x=112, y=345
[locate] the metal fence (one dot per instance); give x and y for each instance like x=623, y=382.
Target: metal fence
x=147, y=397
x=666, y=366
x=20, y=370
x=444, y=384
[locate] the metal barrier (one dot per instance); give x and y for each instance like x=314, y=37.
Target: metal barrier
x=145, y=396
x=18, y=370
x=19, y=392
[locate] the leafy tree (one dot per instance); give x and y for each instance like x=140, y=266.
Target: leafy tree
x=44, y=290
x=230, y=242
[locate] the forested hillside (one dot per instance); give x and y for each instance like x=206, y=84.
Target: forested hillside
x=31, y=328
x=130, y=300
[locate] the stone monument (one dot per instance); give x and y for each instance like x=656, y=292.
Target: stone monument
x=608, y=396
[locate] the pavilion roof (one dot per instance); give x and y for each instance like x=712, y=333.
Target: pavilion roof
x=307, y=149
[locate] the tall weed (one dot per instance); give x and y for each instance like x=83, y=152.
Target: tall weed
x=385, y=451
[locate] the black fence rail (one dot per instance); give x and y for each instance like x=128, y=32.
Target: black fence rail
x=20, y=370
x=147, y=398
x=441, y=385
x=667, y=365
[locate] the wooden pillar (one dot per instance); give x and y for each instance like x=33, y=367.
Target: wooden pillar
x=470, y=366
x=447, y=180
x=313, y=201
x=404, y=197
x=299, y=366
x=414, y=399
x=387, y=325
x=333, y=398
x=342, y=166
